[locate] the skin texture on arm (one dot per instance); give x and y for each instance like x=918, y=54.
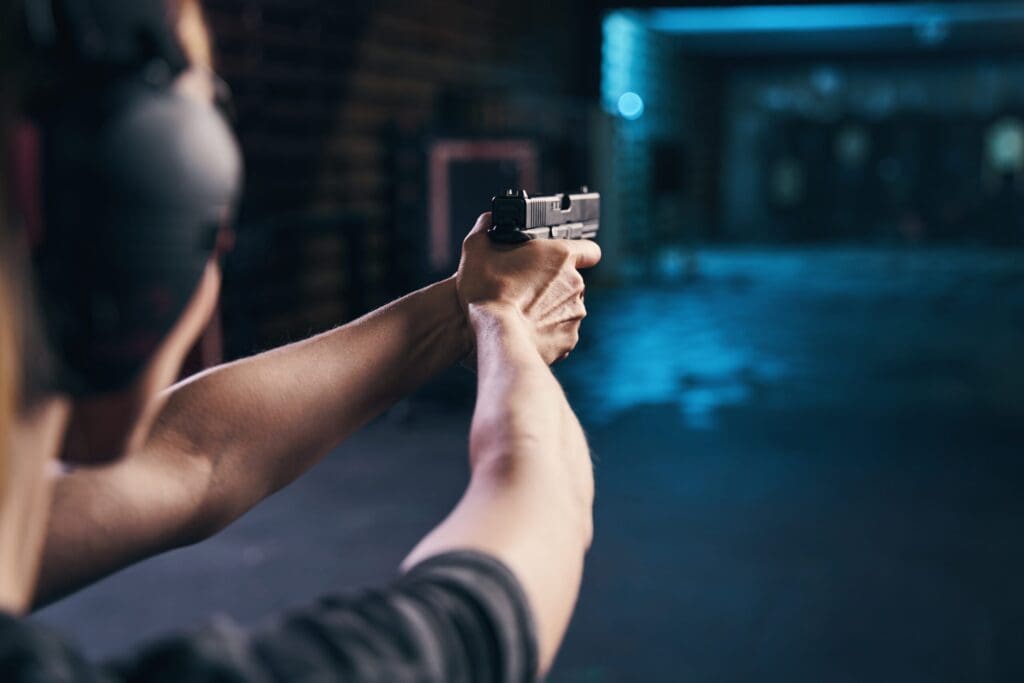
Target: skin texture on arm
x=228, y=438
x=225, y=440
x=531, y=492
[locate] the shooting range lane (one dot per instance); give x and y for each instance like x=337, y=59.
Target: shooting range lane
x=837, y=497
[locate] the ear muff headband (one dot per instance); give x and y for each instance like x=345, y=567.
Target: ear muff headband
x=91, y=33
x=137, y=179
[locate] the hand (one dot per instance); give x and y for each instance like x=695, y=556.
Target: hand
x=539, y=279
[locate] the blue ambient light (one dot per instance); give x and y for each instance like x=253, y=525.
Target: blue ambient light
x=932, y=20
x=631, y=106
x=624, y=60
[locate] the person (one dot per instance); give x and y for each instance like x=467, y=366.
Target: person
x=486, y=596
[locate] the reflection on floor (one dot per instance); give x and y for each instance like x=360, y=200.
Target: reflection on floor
x=809, y=468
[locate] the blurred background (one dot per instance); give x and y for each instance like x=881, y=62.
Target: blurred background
x=803, y=372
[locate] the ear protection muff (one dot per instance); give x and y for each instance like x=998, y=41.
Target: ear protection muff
x=136, y=181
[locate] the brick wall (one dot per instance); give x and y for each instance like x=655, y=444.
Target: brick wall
x=336, y=102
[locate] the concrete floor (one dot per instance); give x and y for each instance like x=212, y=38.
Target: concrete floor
x=809, y=469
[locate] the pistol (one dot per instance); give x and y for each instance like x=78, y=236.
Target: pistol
x=518, y=217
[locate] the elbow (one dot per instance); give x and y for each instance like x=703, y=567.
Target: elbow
x=203, y=524
x=204, y=510
x=561, y=482
x=213, y=509
x=193, y=469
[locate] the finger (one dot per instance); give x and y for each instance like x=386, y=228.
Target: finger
x=562, y=339
x=575, y=312
x=576, y=282
x=571, y=337
x=587, y=253
x=483, y=223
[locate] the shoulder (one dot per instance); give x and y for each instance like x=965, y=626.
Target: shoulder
x=459, y=617
x=456, y=618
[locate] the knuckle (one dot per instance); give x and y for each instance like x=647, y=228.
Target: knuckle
x=579, y=285
x=563, y=249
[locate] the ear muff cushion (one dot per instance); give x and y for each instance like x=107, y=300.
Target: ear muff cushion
x=133, y=203
x=24, y=172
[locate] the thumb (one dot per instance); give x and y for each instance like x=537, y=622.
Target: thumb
x=587, y=253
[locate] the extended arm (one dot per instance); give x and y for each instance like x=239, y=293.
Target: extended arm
x=531, y=491
x=530, y=495
x=232, y=436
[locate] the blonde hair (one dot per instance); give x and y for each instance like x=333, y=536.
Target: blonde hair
x=9, y=374
x=193, y=31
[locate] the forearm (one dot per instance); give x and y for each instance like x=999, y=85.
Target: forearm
x=263, y=421
x=232, y=436
x=530, y=496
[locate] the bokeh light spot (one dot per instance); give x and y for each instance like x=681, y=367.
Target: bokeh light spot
x=631, y=106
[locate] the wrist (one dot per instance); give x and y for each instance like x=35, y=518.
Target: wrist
x=491, y=314
x=503, y=326
x=462, y=332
